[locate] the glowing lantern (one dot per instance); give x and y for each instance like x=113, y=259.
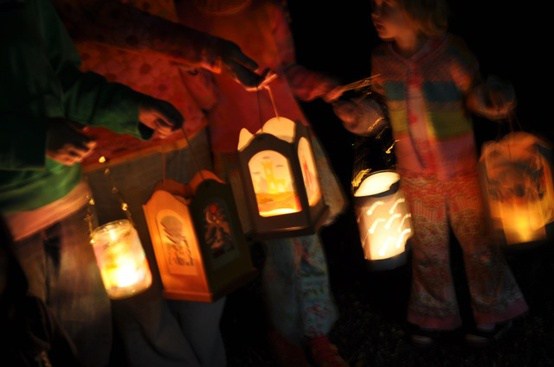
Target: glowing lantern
x=280, y=180
x=121, y=259
x=518, y=186
x=199, y=245
x=383, y=220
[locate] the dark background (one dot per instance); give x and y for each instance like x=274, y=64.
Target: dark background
x=510, y=40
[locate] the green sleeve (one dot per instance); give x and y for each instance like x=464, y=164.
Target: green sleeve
x=88, y=98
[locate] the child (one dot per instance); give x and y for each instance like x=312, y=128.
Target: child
x=44, y=99
x=430, y=82
x=300, y=305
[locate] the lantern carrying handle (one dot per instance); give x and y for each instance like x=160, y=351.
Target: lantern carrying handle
x=265, y=85
x=270, y=93
x=91, y=203
x=357, y=85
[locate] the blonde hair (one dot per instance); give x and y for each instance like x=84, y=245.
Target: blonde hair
x=429, y=16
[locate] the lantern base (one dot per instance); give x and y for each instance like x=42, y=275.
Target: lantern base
x=390, y=263
x=212, y=295
x=281, y=231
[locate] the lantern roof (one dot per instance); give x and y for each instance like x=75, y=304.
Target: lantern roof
x=280, y=127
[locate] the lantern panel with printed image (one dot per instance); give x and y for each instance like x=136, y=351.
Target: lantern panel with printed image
x=199, y=244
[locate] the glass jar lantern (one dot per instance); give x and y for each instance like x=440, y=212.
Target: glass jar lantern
x=121, y=259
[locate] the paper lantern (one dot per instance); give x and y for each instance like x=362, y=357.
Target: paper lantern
x=121, y=259
x=517, y=179
x=198, y=242
x=280, y=180
x=384, y=221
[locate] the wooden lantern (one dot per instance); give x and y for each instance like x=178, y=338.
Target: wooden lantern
x=199, y=244
x=517, y=178
x=383, y=220
x=280, y=180
x=121, y=259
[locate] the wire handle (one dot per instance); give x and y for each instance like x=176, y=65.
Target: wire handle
x=91, y=203
x=359, y=84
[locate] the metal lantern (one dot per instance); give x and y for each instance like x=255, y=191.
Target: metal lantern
x=121, y=259
x=199, y=244
x=519, y=191
x=280, y=180
x=383, y=220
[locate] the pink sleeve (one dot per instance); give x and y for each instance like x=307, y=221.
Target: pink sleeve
x=119, y=25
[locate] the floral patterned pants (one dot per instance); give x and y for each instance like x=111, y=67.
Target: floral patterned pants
x=296, y=285
x=436, y=204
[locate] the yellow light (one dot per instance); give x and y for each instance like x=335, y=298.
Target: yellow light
x=382, y=216
x=121, y=259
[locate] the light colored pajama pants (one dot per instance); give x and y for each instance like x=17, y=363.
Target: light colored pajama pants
x=494, y=294
x=296, y=286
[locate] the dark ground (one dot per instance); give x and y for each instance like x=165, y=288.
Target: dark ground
x=371, y=327
x=370, y=330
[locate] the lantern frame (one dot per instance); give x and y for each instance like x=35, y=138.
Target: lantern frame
x=309, y=218
x=210, y=277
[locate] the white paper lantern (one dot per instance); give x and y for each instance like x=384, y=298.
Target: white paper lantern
x=384, y=220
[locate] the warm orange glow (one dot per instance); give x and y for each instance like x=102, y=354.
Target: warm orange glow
x=273, y=184
x=382, y=215
x=120, y=258
x=521, y=222
x=517, y=177
x=309, y=171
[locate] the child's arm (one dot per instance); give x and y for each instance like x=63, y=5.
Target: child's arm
x=360, y=115
x=306, y=84
x=494, y=99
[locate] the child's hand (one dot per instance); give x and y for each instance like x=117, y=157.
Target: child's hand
x=160, y=116
x=264, y=79
x=361, y=116
x=495, y=99
x=241, y=67
x=67, y=142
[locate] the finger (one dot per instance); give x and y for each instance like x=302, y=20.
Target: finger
x=170, y=117
x=334, y=94
x=163, y=128
x=242, y=59
x=246, y=77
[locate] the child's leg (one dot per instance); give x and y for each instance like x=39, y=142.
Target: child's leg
x=296, y=286
x=433, y=303
x=495, y=295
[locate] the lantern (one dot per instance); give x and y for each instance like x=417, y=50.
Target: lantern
x=384, y=221
x=199, y=245
x=517, y=178
x=280, y=180
x=121, y=259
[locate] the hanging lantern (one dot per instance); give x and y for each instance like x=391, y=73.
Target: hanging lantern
x=517, y=178
x=383, y=220
x=121, y=259
x=199, y=245
x=280, y=180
